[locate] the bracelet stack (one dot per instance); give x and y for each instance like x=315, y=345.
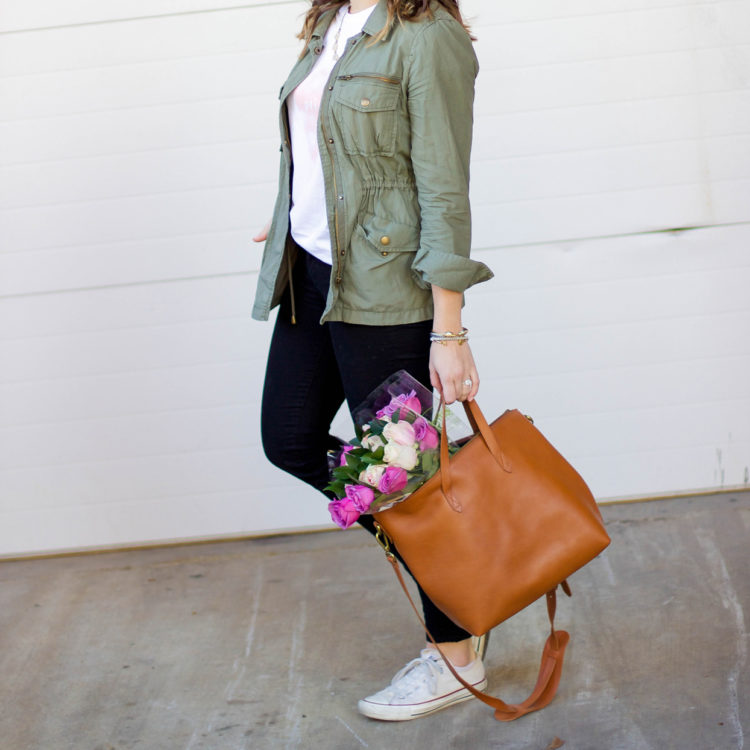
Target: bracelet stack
x=447, y=336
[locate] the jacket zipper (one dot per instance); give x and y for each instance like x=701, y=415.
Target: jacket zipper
x=284, y=117
x=335, y=197
x=291, y=288
x=385, y=79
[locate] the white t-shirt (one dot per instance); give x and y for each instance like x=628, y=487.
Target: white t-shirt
x=309, y=219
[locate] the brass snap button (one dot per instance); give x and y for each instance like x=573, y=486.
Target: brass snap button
x=365, y=102
x=385, y=240
x=384, y=253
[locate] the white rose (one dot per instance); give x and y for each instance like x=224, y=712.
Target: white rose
x=404, y=456
x=372, y=442
x=371, y=475
x=400, y=432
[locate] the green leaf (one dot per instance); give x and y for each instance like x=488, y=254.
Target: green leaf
x=352, y=461
x=371, y=460
x=338, y=488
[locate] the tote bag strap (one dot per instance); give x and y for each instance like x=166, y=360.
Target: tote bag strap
x=550, y=668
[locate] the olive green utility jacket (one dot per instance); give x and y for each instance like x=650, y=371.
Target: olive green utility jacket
x=394, y=135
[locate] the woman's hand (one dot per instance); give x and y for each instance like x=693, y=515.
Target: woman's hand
x=451, y=365
x=263, y=234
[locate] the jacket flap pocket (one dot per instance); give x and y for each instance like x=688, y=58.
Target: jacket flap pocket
x=366, y=95
x=389, y=236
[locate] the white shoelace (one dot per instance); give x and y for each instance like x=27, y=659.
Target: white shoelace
x=412, y=676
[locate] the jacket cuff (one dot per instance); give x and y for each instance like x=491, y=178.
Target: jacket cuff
x=448, y=270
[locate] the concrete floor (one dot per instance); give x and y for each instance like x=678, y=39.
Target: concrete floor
x=269, y=643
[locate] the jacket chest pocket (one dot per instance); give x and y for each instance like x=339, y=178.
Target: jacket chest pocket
x=366, y=110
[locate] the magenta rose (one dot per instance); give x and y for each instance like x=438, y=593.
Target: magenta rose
x=404, y=403
x=343, y=512
x=393, y=480
x=360, y=496
x=344, y=451
x=426, y=435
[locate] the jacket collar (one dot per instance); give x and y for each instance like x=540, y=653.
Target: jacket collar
x=374, y=24
x=377, y=19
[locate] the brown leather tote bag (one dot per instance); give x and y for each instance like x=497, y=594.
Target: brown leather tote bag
x=504, y=521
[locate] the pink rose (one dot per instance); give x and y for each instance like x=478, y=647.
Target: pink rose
x=343, y=512
x=360, y=496
x=426, y=435
x=404, y=403
x=404, y=456
x=344, y=451
x=393, y=480
x=411, y=404
x=371, y=475
x=400, y=432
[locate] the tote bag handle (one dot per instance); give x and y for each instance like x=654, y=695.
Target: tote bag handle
x=480, y=426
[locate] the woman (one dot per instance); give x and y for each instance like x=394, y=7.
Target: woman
x=368, y=253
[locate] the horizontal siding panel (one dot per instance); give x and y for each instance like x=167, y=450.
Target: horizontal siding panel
x=596, y=215
x=158, y=520
x=488, y=14
x=659, y=254
x=127, y=349
x=126, y=306
x=621, y=79
x=624, y=34
x=32, y=14
x=141, y=174
x=134, y=217
x=175, y=258
x=47, y=14
x=188, y=39
x=74, y=138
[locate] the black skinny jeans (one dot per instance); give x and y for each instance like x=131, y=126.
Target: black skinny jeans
x=312, y=368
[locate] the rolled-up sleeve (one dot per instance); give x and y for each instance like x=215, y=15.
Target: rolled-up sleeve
x=442, y=70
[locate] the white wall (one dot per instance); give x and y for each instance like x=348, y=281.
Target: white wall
x=138, y=152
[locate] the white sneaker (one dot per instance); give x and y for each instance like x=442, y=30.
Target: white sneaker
x=423, y=686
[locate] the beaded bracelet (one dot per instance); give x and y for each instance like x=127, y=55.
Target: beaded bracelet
x=446, y=337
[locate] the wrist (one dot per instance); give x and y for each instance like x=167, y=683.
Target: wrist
x=459, y=336
x=448, y=323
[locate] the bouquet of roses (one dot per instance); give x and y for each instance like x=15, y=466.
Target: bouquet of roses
x=395, y=451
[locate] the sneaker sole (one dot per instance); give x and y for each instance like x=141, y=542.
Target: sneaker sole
x=415, y=711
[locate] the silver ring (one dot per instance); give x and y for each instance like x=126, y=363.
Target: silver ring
x=468, y=382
